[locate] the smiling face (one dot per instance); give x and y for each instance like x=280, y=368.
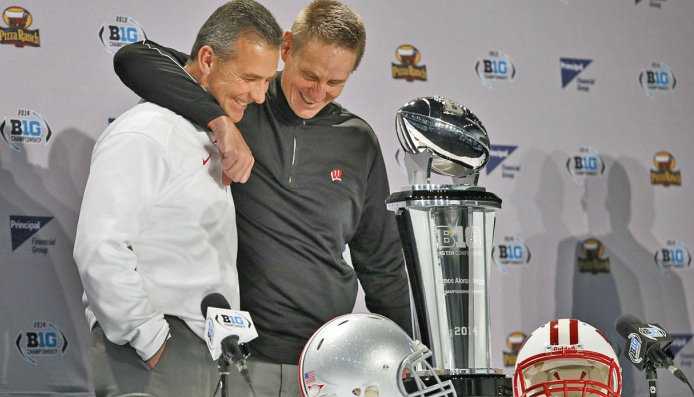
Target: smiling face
x=237, y=82
x=314, y=75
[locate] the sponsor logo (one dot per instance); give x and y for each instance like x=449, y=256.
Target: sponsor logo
x=678, y=342
x=27, y=127
x=497, y=66
x=42, y=340
x=18, y=20
x=592, y=260
x=586, y=163
x=657, y=78
x=121, y=32
x=571, y=68
x=514, y=341
x=674, y=256
x=665, y=173
x=336, y=175
x=653, y=3
x=407, y=69
x=497, y=155
x=22, y=228
x=512, y=252
x=204, y=161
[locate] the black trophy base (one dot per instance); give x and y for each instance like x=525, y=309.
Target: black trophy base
x=477, y=385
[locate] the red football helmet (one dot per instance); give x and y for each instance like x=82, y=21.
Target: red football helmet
x=567, y=357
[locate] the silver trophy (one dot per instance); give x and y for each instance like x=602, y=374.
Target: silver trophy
x=447, y=232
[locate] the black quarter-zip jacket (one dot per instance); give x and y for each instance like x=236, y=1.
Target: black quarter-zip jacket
x=317, y=185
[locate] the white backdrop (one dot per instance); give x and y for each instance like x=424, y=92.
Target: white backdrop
x=581, y=100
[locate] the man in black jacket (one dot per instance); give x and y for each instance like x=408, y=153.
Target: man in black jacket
x=318, y=184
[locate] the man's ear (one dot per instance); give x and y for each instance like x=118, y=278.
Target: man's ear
x=206, y=57
x=286, y=45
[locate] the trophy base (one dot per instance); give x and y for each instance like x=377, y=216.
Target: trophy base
x=477, y=385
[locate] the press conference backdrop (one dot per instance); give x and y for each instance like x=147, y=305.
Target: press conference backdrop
x=589, y=106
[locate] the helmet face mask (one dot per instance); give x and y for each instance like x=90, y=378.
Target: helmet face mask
x=567, y=357
x=366, y=355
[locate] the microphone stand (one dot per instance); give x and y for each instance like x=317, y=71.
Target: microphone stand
x=651, y=376
x=223, y=366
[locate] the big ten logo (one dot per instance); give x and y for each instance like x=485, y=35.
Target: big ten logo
x=674, y=256
x=658, y=77
x=128, y=34
x=233, y=321
x=45, y=339
x=513, y=249
x=27, y=127
x=496, y=66
x=459, y=237
x=587, y=162
x=123, y=31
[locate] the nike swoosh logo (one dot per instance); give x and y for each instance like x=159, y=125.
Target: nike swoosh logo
x=204, y=161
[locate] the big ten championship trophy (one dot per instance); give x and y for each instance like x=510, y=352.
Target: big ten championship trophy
x=447, y=232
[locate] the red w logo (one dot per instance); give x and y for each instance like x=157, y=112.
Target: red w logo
x=336, y=175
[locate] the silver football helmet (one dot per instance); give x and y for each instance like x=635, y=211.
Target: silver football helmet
x=567, y=358
x=455, y=138
x=367, y=355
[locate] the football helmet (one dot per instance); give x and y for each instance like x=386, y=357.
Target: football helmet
x=367, y=355
x=567, y=357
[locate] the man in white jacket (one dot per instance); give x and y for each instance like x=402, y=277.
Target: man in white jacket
x=157, y=227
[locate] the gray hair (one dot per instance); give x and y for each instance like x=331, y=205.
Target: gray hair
x=232, y=21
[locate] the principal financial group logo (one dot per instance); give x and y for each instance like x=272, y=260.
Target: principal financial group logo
x=18, y=20
x=121, y=32
x=657, y=78
x=407, y=69
x=27, y=127
x=43, y=339
x=23, y=228
x=665, y=173
x=571, y=68
x=496, y=66
x=497, y=155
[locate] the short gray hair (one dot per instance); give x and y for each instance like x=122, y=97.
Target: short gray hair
x=232, y=21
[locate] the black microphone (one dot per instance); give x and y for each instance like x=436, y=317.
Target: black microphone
x=647, y=344
x=229, y=345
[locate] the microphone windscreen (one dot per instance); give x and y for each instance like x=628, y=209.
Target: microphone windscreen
x=624, y=321
x=214, y=299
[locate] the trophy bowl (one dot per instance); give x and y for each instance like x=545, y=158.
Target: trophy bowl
x=455, y=138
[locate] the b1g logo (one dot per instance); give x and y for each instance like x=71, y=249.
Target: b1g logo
x=586, y=163
x=496, y=66
x=455, y=240
x=674, y=256
x=658, y=78
x=513, y=251
x=44, y=339
x=27, y=127
x=122, y=32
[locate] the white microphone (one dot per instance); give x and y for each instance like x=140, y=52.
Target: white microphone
x=225, y=330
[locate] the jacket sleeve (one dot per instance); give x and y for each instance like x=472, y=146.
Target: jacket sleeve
x=376, y=252
x=126, y=173
x=156, y=74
